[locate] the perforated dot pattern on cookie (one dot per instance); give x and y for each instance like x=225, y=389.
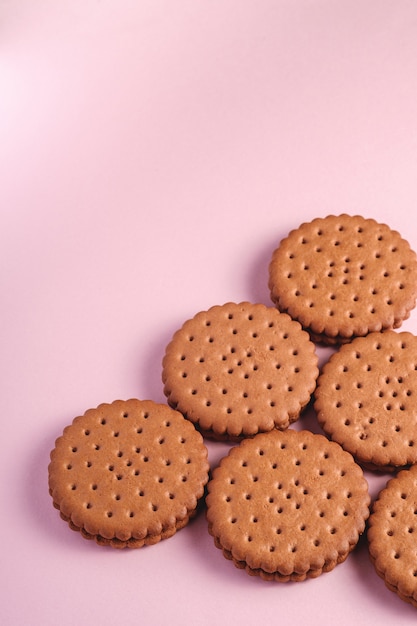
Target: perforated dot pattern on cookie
x=287, y=505
x=238, y=369
x=344, y=276
x=366, y=399
x=392, y=535
x=128, y=473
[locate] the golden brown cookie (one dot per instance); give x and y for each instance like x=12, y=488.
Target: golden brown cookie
x=366, y=399
x=344, y=276
x=287, y=505
x=392, y=534
x=128, y=473
x=238, y=369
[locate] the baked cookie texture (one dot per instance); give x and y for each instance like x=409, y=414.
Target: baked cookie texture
x=129, y=473
x=366, y=399
x=238, y=369
x=284, y=505
x=287, y=505
x=344, y=276
x=391, y=535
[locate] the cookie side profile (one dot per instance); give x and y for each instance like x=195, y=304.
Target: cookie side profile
x=391, y=535
x=239, y=369
x=287, y=505
x=366, y=399
x=344, y=276
x=128, y=474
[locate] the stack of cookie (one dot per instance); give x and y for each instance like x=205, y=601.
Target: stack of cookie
x=283, y=504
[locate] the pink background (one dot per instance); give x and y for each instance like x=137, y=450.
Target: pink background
x=152, y=156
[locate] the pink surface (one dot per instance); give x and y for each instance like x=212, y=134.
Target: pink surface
x=152, y=155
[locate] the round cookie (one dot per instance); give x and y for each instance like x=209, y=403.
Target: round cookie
x=392, y=532
x=239, y=369
x=366, y=399
x=344, y=276
x=287, y=505
x=128, y=473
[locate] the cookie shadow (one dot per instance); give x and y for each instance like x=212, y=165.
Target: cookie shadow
x=308, y=420
x=222, y=570
x=150, y=365
x=388, y=601
x=258, y=275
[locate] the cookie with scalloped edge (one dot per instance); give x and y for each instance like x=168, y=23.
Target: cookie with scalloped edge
x=366, y=398
x=239, y=369
x=344, y=276
x=287, y=505
x=391, y=534
x=129, y=473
